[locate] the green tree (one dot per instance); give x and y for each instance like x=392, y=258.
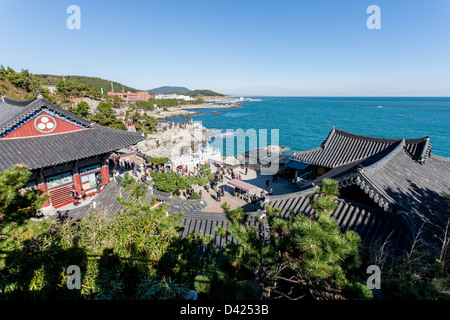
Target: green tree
x=118, y=255
x=150, y=124
x=82, y=109
x=17, y=203
x=170, y=182
x=105, y=116
x=293, y=257
x=158, y=160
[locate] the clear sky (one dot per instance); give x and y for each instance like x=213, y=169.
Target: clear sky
x=246, y=47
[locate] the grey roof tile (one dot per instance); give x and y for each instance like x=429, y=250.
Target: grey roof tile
x=343, y=147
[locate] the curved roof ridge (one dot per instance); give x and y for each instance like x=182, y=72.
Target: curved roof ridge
x=388, y=157
x=306, y=151
x=18, y=103
x=365, y=137
x=330, y=135
x=381, y=139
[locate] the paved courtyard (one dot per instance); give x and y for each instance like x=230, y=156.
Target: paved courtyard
x=282, y=186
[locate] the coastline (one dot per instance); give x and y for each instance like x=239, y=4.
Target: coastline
x=185, y=111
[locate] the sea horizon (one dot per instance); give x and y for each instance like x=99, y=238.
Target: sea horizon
x=304, y=122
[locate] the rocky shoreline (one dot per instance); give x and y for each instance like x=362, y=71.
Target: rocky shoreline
x=186, y=110
x=175, y=139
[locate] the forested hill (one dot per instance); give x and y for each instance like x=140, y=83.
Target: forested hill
x=92, y=82
x=186, y=91
x=169, y=89
x=204, y=93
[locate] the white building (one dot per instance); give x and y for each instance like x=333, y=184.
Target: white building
x=173, y=96
x=192, y=159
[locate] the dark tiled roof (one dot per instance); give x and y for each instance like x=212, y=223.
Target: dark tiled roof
x=417, y=189
x=206, y=223
x=370, y=223
x=42, y=151
x=343, y=147
x=47, y=150
x=399, y=184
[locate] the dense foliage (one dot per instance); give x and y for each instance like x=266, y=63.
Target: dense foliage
x=18, y=203
x=289, y=258
x=73, y=88
x=138, y=254
x=157, y=160
x=144, y=123
x=92, y=82
x=23, y=79
x=22, y=85
x=118, y=256
x=170, y=181
x=163, y=103
x=204, y=92
x=82, y=109
x=168, y=89
x=106, y=116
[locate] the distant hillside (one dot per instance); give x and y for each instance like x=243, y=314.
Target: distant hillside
x=204, y=93
x=92, y=82
x=169, y=89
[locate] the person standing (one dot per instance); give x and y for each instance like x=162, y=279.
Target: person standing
x=99, y=181
x=74, y=196
x=267, y=183
x=83, y=194
x=218, y=195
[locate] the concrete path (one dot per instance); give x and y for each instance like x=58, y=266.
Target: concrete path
x=282, y=186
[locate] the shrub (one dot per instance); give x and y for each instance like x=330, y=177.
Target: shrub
x=195, y=196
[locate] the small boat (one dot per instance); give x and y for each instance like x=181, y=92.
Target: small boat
x=379, y=106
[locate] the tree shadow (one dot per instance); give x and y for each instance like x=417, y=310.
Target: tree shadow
x=427, y=211
x=40, y=273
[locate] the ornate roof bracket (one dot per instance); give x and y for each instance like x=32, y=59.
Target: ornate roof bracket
x=372, y=191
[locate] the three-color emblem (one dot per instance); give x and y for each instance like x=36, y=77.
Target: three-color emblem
x=45, y=123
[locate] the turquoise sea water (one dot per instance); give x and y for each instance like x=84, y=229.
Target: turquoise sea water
x=304, y=122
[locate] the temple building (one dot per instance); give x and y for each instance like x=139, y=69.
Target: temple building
x=62, y=150
x=398, y=179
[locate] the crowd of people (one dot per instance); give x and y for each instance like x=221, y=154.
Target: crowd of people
x=143, y=170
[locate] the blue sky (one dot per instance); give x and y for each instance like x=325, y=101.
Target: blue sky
x=247, y=47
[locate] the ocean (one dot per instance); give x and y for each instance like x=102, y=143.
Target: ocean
x=304, y=122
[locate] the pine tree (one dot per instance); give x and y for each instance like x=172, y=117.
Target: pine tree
x=18, y=204
x=275, y=257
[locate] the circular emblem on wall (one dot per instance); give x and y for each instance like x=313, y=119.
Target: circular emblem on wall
x=45, y=123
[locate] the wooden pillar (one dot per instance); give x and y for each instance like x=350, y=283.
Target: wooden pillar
x=105, y=171
x=76, y=177
x=41, y=185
